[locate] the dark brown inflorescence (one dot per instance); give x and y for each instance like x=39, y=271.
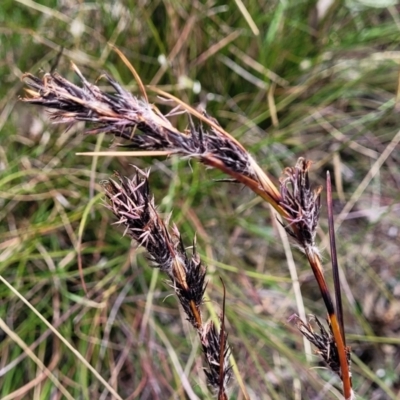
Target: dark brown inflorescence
x=211, y=344
x=323, y=341
x=302, y=203
x=131, y=202
x=191, y=290
x=134, y=119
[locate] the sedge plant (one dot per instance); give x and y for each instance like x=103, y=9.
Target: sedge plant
x=147, y=130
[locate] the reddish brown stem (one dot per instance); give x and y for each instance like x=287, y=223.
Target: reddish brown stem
x=316, y=267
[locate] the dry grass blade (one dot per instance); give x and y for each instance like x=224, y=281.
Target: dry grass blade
x=62, y=339
x=132, y=69
x=45, y=371
x=223, y=371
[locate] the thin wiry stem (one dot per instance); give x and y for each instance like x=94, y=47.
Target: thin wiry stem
x=334, y=260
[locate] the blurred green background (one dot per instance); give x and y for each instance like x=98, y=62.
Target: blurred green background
x=318, y=79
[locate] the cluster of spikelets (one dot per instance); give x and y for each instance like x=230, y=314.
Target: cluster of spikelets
x=131, y=202
x=144, y=127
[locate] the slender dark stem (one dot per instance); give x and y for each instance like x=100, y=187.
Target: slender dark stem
x=335, y=266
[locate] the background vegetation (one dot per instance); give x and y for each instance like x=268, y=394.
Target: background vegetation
x=285, y=78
